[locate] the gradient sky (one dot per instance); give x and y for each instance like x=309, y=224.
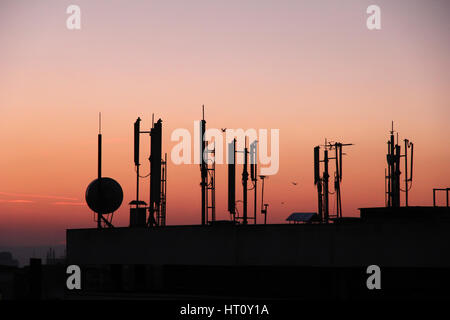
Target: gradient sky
x=309, y=68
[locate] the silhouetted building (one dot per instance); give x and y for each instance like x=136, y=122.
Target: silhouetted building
x=6, y=259
x=51, y=258
x=328, y=260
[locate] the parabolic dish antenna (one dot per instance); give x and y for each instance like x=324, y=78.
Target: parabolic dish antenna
x=104, y=195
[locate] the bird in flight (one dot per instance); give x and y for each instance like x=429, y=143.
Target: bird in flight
x=223, y=129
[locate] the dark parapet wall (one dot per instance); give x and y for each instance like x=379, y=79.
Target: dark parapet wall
x=406, y=214
x=411, y=243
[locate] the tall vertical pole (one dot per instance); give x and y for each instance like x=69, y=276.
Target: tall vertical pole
x=255, y=202
x=340, y=179
x=385, y=188
x=263, y=206
x=397, y=176
x=99, y=173
x=391, y=169
x=165, y=188
x=406, y=172
x=232, y=179
x=320, y=200
x=254, y=172
x=265, y=213
x=244, y=182
x=318, y=181
x=337, y=147
x=206, y=185
x=137, y=132
x=100, y=146
x=325, y=183
x=388, y=177
x=150, y=198
x=203, y=167
x=212, y=187
x=137, y=185
x=156, y=164
x=262, y=192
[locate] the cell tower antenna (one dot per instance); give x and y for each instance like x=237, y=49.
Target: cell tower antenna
x=99, y=146
x=99, y=165
x=137, y=132
x=265, y=205
x=157, y=165
x=244, y=183
x=322, y=182
x=232, y=179
x=203, y=168
x=393, y=172
x=103, y=195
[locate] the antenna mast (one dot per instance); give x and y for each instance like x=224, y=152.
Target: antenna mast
x=99, y=175
x=253, y=174
x=157, y=188
x=263, y=205
x=232, y=179
x=393, y=172
x=322, y=182
x=244, y=182
x=103, y=195
x=137, y=128
x=203, y=167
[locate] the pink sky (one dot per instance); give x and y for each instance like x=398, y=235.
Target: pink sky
x=309, y=68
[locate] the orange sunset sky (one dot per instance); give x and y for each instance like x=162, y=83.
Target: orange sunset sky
x=309, y=68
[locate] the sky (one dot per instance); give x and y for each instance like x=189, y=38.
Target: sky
x=311, y=69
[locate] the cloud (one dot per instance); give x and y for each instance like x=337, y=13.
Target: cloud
x=16, y=201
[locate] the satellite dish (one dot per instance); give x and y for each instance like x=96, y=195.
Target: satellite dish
x=104, y=195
